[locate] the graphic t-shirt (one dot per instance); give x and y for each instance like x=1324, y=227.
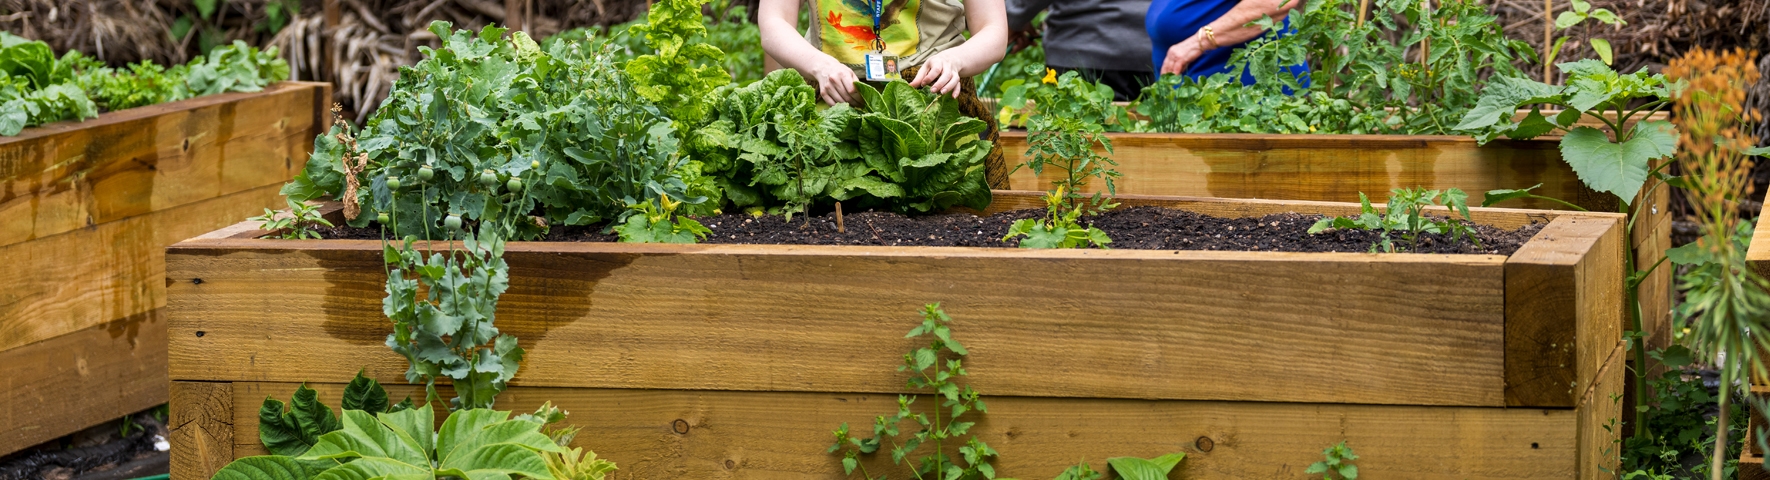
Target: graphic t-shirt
x=912, y=30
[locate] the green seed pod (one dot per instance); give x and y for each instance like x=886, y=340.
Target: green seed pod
x=489, y=179
x=535, y=164
x=426, y=173
x=453, y=222
x=515, y=185
x=392, y=182
x=382, y=217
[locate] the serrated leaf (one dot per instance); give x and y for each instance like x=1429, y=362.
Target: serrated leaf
x=1619, y=169
x=1494, y=197
x=365, y=394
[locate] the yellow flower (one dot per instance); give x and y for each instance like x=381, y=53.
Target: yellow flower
x=1311, y=129
x=1050, y=76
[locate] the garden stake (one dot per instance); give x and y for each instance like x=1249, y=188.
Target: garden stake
x=839, y=227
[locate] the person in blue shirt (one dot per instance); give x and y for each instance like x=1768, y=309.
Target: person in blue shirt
x=1195, y=37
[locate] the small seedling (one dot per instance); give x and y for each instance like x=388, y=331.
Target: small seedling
x=1060, y=229
x=655, y=224
x=299, y=224
x=1338, y=462
x=1405, y=217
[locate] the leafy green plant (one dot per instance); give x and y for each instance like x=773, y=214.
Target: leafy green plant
x=1402, y=67
x=684, y=68
x=1406, y=218
x=928, y=373
x=1059, y=229
x=661, y=225
x=1582, y=10
x=492, y=128
x=1133, y=468
x=770, y=146
x=1617, y=162
x=443, y=310
x=475, y=443
x=234, y=68
x=1338, y=462
x=1070, y=120
x=731, y=31
x=290, y=429
x=298, y=224
x=1681, y=426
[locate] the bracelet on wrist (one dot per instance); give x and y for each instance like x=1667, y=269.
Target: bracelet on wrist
x=1208, y=35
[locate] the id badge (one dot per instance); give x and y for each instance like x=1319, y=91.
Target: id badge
x=881, y=67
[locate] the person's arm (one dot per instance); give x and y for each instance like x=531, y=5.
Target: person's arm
x=988, y=22
x=781, y=41
x=1230, y=29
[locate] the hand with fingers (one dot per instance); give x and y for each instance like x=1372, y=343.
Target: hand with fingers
x=940, y=74
x=835, y=81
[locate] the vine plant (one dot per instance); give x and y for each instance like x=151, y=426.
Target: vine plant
x=928, y=373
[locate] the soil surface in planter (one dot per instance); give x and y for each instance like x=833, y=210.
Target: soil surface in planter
x=1137, y=228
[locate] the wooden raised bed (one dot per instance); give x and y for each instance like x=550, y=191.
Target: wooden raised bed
x=88, y=210
x=1335, y=168
x=724, y=361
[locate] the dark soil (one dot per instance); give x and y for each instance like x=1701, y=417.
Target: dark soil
x=1137, y=228
x=97, y=453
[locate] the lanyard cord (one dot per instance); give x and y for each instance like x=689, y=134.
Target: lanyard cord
x=878, y=7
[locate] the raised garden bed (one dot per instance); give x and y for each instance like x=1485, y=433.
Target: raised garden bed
x=1335, y=168
x=90, y=207
x=736, y=361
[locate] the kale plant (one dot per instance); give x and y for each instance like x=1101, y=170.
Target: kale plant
x=489, y=127
x=928, y=373
x=1406, y=218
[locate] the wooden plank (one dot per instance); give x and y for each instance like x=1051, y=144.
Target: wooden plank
x=1600, y=418
x=77, y=280
x=201, y=428
x=775, y=435
x=1388, y=328
x=65, y=384
x=65, y=176
x=1758, y=254
x=1324, y=167
x=1563, y=310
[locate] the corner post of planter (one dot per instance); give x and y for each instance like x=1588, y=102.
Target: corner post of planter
x=1564, y=323
x=202, y=435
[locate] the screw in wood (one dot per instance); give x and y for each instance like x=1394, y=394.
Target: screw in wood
x=1204, y=444
x=680, y=426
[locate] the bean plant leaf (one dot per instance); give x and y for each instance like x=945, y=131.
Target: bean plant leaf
x=1494, y=197
x=1133, y=468
x=269, y=467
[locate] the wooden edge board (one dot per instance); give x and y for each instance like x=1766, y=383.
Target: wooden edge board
x=138, y=113
x=771, y=435
x=1021, y=133
x=70, y=382
x=1545, y=304
x=1758, y=254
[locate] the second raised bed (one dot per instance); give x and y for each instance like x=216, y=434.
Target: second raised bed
x=736, y=361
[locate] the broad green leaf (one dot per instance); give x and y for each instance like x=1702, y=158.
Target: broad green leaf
x=1620, y=169
x=1568, y=19
x=292, y=431
x=1689, y=254
x=268, y=467
x=1676, y=356
x=1602, y=46
x=1133, y=468
x=377, y=468
x=500, y=458
x=365, y=394
x=366, y=437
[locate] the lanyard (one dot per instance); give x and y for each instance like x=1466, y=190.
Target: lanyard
x=878, y=11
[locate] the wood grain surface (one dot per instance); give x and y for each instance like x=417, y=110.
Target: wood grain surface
x=662, y=434
x=86, y=211
x=201, y=427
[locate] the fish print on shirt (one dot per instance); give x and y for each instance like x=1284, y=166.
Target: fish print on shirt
x=849, y=33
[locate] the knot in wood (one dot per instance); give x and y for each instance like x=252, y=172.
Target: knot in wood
x=1204, y=444
x=680, y=426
